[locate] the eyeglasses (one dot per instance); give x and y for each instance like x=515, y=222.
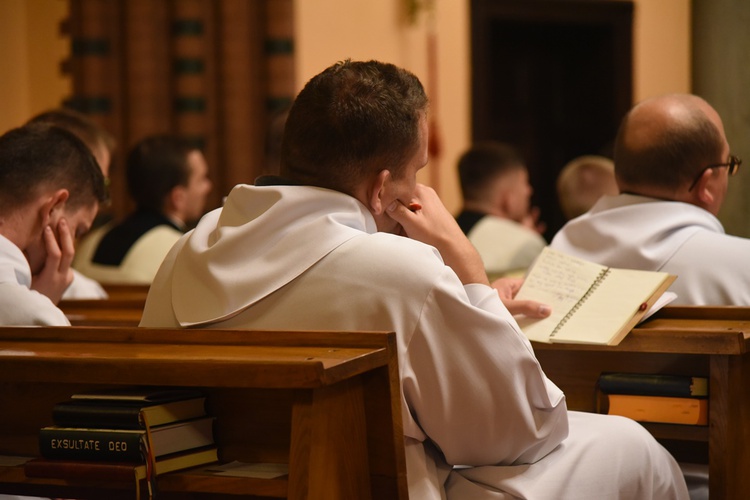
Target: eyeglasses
x=733, y=166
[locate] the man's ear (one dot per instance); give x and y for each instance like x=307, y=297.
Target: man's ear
x=376, y=192
x=176, y=199
x=54, y=206
x=704, y=191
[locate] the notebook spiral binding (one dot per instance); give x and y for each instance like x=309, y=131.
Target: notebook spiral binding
x=592, y=288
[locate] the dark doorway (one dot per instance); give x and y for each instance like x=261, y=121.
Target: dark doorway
x=553, y=78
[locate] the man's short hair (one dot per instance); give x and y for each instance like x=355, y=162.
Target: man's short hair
x=42, y=156
x=671, y=159
x=484, y=162
x=156, y=165
x=582, y=181
x=82, y=126
x=350, y=121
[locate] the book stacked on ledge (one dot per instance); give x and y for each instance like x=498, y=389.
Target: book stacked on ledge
x=671, y=399
x=125, y=435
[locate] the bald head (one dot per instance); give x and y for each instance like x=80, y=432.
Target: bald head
x=664, y=142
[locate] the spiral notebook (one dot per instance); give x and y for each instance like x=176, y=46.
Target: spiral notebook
x=591, y=303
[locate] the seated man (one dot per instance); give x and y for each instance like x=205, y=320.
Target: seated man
x=496, y=215
x=50, y=191
x=584, y=180
x=167, y=178
x=101, y=142
x=102, y=145
x=347, y=240
x=672, y=164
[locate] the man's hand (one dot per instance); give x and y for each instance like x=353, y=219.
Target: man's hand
x=531, y=221
x=56, y=274
x=430, y=222
x=507, y=288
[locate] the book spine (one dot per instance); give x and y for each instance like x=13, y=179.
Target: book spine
x=653, y=385
x=90, y=444
x=97, y=417
x=691, y=411
x=79, y=469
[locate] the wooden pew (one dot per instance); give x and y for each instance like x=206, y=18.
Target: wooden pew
x=704, y=341
x=325, y=403
x=121, y=311
x=124, y=307
x=125, y=291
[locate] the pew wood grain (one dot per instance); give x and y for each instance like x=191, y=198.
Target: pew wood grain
x=327, y=404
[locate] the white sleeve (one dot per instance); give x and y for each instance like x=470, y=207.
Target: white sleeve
x=473, y=384
x=83, y=287
x=20, y=306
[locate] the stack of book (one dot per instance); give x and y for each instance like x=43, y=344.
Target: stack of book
x=125, y=434
x=672, y=399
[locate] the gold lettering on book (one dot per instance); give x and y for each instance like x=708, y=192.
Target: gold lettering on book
x=75, y=444
x=118, y=446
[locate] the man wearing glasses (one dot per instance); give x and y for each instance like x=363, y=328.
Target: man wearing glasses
x=672, y=163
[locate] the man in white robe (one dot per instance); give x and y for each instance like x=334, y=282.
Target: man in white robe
x=102, y=145
x=168, y=180
x=50, y=190
x=348, y=240
x=496, y=214
x=672, y=163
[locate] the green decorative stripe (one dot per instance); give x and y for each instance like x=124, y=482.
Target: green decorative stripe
x=192, y=104
x=187, y=27
x=89, y=105
x=274, y=104
x=90, y=46
x=275, y=46
x=187, y=66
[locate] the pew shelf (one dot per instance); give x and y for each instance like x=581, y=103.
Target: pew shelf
x=325, y=403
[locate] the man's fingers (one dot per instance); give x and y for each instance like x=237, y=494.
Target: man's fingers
x=53, y=249
x=398, y=212
x=507, y=287
x=529, y=308
x=67, y=247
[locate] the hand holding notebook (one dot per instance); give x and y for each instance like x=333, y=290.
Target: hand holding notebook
x=591, y=303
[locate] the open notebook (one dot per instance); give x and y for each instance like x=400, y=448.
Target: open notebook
x=591, y=303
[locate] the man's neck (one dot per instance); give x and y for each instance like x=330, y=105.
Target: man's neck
x=14, y=228
x=480, y=207
x=175, y=218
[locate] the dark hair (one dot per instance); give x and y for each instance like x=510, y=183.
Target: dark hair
x=155, y=166
x=353, y=119
x=39, y=156
x=79, y=124
x=484, y=162
x=673, y=157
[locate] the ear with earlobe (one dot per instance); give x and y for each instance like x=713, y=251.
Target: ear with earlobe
x=176, y=200
x=704, y=192
x=376, y=192
x=53, y=204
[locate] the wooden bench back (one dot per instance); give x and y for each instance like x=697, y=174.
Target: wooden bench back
x=325, y=403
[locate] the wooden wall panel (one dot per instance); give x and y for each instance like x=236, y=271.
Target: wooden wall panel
x=242, y=88
x=213, y=70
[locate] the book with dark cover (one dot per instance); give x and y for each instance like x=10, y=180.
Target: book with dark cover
x=125, y=414
x=653, y=384
x=124, y=445
x=117, y=471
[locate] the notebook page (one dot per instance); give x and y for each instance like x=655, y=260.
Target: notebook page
x=611, y=306
x=558, y=280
